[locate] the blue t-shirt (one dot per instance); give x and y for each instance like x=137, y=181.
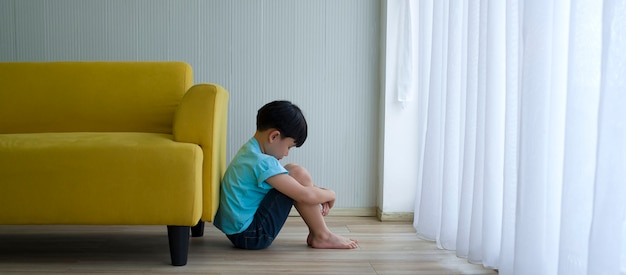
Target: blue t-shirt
x=243, y=187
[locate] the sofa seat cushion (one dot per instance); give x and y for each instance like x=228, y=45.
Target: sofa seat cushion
x=99, y=178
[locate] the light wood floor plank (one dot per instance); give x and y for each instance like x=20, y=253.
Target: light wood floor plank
x=385, y=248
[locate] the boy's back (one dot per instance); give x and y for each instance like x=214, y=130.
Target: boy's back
x=244, y=186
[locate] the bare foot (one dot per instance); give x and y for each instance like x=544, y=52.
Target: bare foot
x=331, y=241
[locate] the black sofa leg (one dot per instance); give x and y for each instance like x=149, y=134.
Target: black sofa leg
x=179, y=244
x=198, y=229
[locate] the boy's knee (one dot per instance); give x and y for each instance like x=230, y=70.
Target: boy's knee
x=299, y=173
x=293, y=168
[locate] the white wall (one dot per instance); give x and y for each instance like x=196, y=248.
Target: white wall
x=399, y=145
x=322, y=55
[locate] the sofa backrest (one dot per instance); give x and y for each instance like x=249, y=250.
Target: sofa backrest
x=91, y=96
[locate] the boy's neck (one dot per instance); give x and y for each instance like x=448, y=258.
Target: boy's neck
x=266, y=137
x=261, y=138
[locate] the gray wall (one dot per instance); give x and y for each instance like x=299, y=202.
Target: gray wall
x=322, y=55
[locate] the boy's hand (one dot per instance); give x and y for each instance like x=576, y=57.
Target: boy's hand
x=328, y=205
x=325, y=208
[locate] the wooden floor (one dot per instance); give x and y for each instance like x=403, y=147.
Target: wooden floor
x=385, y=248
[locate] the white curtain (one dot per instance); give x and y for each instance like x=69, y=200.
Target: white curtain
x=523, y=135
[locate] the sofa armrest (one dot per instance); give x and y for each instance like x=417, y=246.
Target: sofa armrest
x=201, y=118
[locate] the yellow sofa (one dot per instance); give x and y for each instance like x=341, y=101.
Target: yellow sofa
x=111, y=143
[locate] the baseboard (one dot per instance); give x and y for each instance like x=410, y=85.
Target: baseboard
x=394, y=216
x=367, y=212
x=345, y=212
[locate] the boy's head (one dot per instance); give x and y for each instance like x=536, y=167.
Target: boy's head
x=284, y=116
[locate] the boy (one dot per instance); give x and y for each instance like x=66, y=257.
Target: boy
x=257, y=192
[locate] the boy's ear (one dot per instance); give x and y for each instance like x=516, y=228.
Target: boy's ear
x=274, y=135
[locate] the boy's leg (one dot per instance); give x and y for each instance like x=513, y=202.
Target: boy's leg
x=267, y=223
x=319, y=234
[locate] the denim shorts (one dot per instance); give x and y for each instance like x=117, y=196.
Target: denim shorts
x=268, y=221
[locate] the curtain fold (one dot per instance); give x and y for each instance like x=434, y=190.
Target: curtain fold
x=607, y=243
x=509, y=191
x=523, y=160
x=580, y=135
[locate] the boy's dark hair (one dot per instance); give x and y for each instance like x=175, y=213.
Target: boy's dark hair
x=286, y=117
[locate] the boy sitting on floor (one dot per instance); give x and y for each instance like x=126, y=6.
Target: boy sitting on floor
x=257, y=192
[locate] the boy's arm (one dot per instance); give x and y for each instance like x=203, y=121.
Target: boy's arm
x=299, y=193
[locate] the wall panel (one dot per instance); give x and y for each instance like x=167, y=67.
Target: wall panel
x=322, y=55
